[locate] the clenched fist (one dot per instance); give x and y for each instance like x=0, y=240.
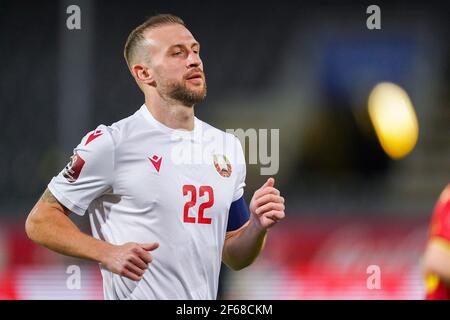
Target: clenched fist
x=130, y=259
x=267, y=205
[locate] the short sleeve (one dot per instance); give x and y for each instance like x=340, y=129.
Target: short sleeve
x=440, y=221
x=89, y=173
x=241, y=171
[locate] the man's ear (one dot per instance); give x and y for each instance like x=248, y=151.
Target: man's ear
x=142, y=74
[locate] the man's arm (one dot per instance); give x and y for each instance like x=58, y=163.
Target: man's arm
x=49, y=225
x=243, y=245
x=437, y=259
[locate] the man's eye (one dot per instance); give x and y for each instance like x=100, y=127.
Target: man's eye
x=177, y=53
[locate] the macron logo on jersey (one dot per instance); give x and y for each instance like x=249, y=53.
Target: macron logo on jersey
x=94, y=135
x=156, y=161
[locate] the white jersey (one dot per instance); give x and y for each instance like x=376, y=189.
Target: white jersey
x=141, y=181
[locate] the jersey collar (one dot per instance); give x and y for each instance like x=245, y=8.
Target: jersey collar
x=162, y=127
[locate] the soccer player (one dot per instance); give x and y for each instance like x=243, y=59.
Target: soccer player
x=163, y=189
x=437, y=252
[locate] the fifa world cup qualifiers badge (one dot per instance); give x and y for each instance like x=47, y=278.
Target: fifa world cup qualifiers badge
x=73, y=169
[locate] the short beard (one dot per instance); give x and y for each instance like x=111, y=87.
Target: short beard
x=179, y=92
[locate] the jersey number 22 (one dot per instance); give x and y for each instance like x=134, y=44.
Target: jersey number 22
x=189, y=188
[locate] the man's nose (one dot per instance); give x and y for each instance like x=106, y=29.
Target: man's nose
x=194, y=60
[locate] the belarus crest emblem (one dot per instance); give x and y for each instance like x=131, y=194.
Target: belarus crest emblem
x=222, y=165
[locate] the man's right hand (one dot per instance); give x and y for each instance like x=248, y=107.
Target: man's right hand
x=48, y=224
x=130, y=259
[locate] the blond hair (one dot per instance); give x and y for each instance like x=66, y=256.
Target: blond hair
x=136, y=39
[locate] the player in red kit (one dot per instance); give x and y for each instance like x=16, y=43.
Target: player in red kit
x=437, y=252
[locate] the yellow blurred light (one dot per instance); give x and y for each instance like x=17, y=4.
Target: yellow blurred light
x=394, y=119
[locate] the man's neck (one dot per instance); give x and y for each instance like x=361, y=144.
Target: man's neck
x=171, y=113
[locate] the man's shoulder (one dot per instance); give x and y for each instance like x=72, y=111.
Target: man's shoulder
x=440, y=221
x=123, y=127
x=105, y=137
x=209, y=129
x=125, y=123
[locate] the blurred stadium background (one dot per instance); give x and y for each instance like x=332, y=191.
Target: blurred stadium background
x=305, y=67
